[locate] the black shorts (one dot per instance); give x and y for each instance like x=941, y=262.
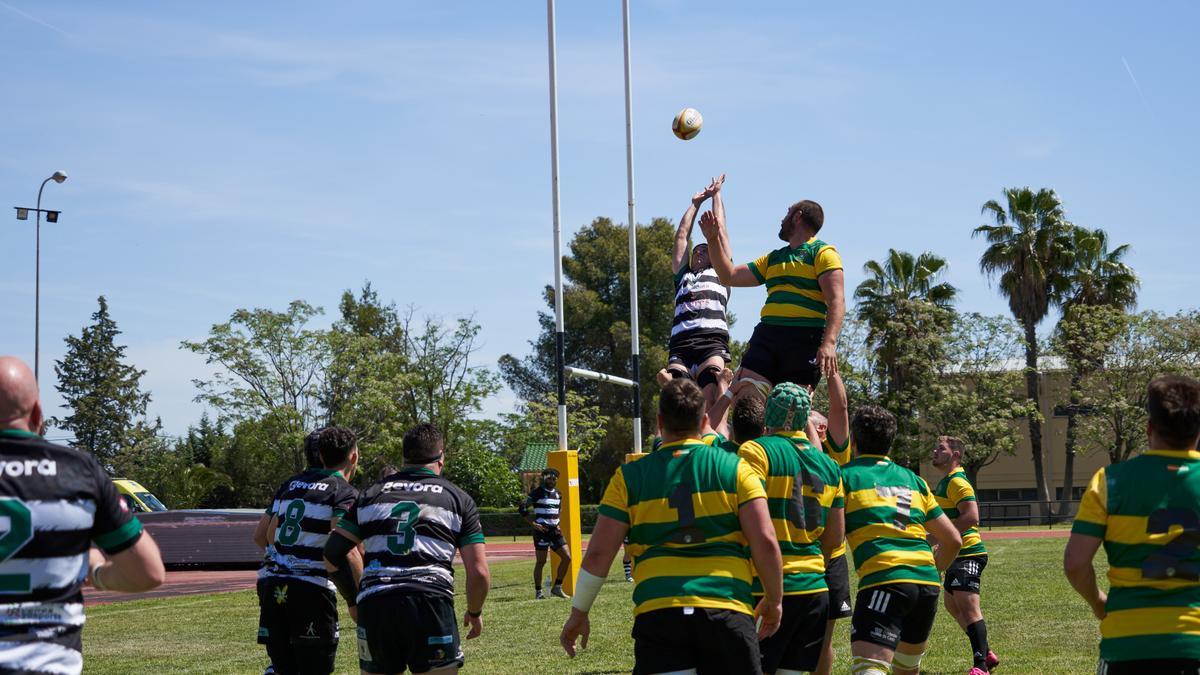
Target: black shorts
x=892, y=613
x=963, y=574
x=399, y=630
x=552, y=538
x=837, y=577
x=785, y=353
x=695, y=347
x=717, y=641
x=298, y=623
x=1146, y=666
x=797, y=643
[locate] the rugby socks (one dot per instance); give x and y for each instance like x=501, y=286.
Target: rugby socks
x=558, y=582
x=628, y=565
x=861, y=665
x=977, y=633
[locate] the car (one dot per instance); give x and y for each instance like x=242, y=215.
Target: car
x=136, y=497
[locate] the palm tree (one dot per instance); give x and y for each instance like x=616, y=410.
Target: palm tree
x=901, y=278
x=1098, y=278
x=1029, y=250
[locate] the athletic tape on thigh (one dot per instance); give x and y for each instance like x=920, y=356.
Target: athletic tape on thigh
x=679, y=373
x=908, y=661
x=861, y=665
x=762, y=386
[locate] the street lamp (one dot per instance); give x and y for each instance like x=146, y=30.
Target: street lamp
x=51, y=217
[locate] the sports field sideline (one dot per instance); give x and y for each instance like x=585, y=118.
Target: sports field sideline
x=1036, y=625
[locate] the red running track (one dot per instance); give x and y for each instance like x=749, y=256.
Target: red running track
x=201, y=582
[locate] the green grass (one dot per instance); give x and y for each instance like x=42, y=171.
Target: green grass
x=1035, y=622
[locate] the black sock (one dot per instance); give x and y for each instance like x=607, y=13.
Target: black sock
x=558, y=582
x=977, y=633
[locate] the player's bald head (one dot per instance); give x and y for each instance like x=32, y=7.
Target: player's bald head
x=19, y=408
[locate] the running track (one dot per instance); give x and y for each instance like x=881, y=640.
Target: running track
x=200, y=582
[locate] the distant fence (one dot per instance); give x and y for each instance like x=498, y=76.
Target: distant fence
x=1033, y=513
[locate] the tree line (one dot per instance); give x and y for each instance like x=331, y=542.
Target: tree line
x=379, y=369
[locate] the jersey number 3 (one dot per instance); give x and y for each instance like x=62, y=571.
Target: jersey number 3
x=405, y=514
x=16, y=530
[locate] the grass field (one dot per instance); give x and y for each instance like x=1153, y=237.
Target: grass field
x=1035, y=622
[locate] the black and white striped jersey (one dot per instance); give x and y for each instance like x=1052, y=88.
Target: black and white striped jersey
x=545, y=503
x=700, y=303
x=411, y=524
x=55, y=502
x=306, y=506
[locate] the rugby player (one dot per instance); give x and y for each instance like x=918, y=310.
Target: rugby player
x=411, y=524
x=833, y=432
x=796, y=338
x=55, y=501
x=699, y=346
x=956, y=496
x=1144, y=511
x=692, y=512
x=889, y=513
x=541, y=508
x=298, y=615
x=806, y=500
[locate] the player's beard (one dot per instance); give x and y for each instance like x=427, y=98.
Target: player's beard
x=785, y=230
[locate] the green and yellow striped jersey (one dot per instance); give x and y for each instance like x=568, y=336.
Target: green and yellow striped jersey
x=953, y=490
x=681, y=504
x=1147, y=511
x=719, y=441
x=841, y=455
x=793, y=293
x=887, y=507
x=802, y=486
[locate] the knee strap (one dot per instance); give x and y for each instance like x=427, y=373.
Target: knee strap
x=679, y=373
x=862, y=665
x=762, y=386
x=709, y=375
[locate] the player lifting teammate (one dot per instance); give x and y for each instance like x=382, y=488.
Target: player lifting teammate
x=832, y=431
x=956, y=496
x=411, y=524
x=796, y=338
x=699, y=346
x=1145, y=513
x=298, y=615
x=806, y=501
x=54, y=501
x=889, y=513
x=695, y=516
x=541, y=508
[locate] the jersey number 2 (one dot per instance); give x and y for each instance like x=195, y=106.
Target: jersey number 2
x=16, y=530
x=1171, y=561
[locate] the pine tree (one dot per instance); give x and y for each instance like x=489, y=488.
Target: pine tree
x=108, y=407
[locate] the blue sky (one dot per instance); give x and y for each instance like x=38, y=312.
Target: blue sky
x=226, y=155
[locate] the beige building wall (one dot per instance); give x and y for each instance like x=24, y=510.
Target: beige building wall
x=1012, y=473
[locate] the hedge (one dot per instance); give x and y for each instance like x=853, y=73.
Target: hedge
x=498, y=522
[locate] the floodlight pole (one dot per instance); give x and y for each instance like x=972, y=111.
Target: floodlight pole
x=58, y=177
x=559, y=335
x=633, y=278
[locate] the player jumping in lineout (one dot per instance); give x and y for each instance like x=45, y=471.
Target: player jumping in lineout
x=699, y=346
x=796, y=338
x=541, y=509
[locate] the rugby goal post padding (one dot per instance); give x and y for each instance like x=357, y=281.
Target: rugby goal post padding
x=567, y=464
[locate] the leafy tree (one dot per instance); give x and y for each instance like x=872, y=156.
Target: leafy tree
x=1146, y=345
x=485, y=475
x=1029, y=250
x=902, y=278
x=103, y=393
x=264, y=452
x=270, y=360
x=203, y=440
x=973, y=396
x=1099, y=280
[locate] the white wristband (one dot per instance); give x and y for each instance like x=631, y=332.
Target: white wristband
x=587, y=587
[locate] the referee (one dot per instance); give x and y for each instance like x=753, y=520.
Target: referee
x=57, y=501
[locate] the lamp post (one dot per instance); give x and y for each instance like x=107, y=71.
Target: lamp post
x=51, y=217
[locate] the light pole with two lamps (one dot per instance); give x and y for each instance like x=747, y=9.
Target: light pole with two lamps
x=51, y=217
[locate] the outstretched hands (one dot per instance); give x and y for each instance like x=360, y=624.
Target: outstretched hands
x=713, y=188
x=709, y=225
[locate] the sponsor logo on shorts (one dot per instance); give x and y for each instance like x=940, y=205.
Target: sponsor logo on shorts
x=281, y=595
x=441, y=639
